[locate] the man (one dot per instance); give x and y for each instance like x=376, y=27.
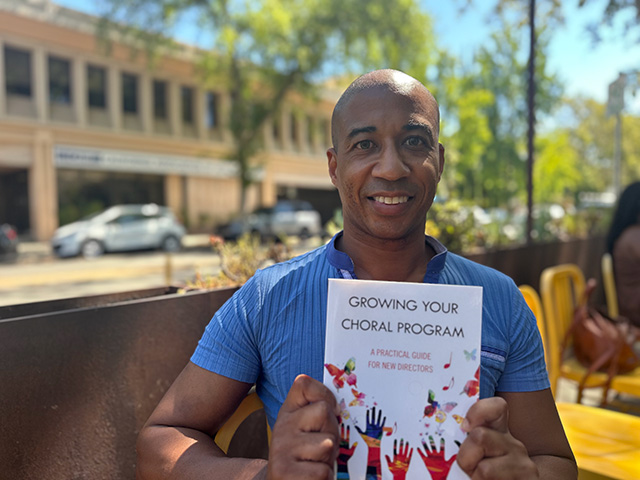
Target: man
x=386, y=163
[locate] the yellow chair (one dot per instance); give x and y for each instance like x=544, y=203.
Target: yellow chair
x=609, y=282
x=225, y=435
x=606, y=444
x=561, y=288
x=533, y=301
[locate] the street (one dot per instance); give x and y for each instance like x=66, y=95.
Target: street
x=37, y=275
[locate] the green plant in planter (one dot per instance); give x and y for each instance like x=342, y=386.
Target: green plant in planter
x=239, y=260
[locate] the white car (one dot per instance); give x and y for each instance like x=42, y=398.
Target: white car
x=287, y=217
x=118, y=229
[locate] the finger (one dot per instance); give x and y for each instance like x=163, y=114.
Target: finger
x=315, y=417
x=389, y=462
x=348, y=434
x=306, y=470
x=505, y=468
x=315, y=447
x=408, y=457
x=488, y=412
x=306, y=390
x=432, y=443
x=483, y=443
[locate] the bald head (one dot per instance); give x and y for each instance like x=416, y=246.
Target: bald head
x=391, y=80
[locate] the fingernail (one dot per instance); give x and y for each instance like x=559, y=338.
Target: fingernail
x=465, y=425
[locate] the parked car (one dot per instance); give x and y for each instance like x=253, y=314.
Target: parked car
x=120, y=228
x=288, y=217
x=8, y=242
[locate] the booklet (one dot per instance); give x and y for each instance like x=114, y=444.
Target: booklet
x=403, y=360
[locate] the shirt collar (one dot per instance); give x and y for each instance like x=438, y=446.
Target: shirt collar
x=343, y=263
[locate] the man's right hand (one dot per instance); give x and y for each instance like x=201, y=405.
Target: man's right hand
x=305, y=438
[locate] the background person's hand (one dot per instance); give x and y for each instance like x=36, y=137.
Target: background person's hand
x=490, y=451
x=305, y=437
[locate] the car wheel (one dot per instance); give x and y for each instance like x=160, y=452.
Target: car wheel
x=91, y=249
x=171, y=244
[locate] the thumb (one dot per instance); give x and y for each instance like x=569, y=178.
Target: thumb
x=491, y=412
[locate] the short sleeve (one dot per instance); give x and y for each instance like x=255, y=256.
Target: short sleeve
x=228, y=345
x=525, y=369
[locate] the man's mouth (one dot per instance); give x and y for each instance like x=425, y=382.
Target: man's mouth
x=391, y=200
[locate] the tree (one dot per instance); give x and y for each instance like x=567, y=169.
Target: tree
x=627, y=11
x=484, y=106
x=591, y=137
x=263, y=50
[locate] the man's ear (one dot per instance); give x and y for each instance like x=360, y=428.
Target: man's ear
x=440, y=160
x=332, y=157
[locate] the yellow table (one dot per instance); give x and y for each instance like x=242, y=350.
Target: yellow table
x=606, y=444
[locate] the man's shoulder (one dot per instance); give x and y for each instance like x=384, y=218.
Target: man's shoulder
x=461, y=270
x=307, y=264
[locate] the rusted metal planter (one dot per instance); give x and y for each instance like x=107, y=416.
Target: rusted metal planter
x=79, y=377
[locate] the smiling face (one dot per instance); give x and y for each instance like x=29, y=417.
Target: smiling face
x=386, y=161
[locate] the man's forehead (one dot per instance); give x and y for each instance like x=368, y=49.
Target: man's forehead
x=417, y=107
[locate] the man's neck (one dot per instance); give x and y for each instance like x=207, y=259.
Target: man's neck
x=393, y=260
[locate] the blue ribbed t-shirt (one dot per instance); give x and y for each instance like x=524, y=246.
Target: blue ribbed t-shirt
x=273, y=328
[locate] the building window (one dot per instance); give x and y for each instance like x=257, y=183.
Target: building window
x=160, y=100
x=275, y=124
x=326, y=133
x=187, y=104
x=97, y=86
x=212, y=110
x=294, y=128
x=59, y=80
x=17, y=67
x=310, y=130
x=129, y=93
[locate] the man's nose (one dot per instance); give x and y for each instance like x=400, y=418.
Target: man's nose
x=390, y=165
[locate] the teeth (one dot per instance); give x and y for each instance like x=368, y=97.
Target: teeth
x=391, y=200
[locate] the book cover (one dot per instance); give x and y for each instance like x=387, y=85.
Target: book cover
x=403, y=360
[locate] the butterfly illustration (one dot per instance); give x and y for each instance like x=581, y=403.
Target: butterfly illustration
x=435, y=408
x=470, y=355
x=341, y=375
x=344, y=413
x=472, y=387
x=358, y=398
x=458, y=418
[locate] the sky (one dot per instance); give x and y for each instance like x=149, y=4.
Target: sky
x=585, y=69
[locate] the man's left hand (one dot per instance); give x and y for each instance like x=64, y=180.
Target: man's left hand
x=490, y=451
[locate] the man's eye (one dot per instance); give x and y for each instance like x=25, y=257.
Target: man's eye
x=414, y=141
x=364, y=144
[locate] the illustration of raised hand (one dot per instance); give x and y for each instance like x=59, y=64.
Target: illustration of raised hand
x=401, y=460
x=345, y=452
x=372, y=436
x=434, y=460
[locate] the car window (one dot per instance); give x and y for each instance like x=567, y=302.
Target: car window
x=283, y=207
x=129, y=218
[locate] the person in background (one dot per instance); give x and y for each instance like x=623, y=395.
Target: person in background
x=623, y=243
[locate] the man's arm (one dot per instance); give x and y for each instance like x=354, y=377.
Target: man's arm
x=517, y=435
x=177, y=440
